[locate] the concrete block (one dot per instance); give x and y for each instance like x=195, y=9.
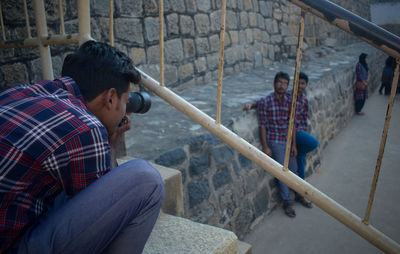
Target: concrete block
x=175, y=235
x=244, y=248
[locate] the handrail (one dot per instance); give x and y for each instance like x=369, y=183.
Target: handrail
x=353, y=24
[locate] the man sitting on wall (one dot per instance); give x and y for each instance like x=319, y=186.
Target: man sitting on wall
x=61, y=136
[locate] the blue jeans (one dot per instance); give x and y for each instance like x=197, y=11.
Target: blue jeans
x=305, y=144
x=278, y=154
x=115, y=214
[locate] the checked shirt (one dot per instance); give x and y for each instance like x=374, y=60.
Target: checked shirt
x=274, y=116
x=301, y=112
x=49, y=143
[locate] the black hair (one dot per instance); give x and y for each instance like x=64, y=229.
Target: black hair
x=283, y=75
x=97, y=67
x=390, y=62
x=362, y=60
x=304, y=76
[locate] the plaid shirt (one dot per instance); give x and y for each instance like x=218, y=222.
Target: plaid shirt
x=49, y=143
x=301, y=112
x=274, y=116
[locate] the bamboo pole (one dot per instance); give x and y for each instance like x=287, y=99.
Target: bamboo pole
x=41, y=26
x=221, y=61
x=111, y=18
x=330, y=206
x=61, y=14
x=84, y=21
x=294, y=93
x=45, y=40
x=3, y=32
x=28, y=26
x=161, y=38
x=383, y=143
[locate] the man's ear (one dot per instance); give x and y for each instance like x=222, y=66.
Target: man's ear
x=110, y=98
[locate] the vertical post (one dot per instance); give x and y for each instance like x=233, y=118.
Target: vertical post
x=84, y=21
x=161, y=38
x=294, y=93
x=61, y=13
x=45, y=56
x=28, y=26
x=221, y=61
x=111, y=18
x=3, y=32
x=383, y=143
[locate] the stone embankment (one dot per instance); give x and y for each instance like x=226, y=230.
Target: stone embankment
x=221, y=187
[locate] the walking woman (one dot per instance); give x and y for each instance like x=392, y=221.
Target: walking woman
x=361, y=91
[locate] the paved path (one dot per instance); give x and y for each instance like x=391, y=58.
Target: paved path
x=348, y=165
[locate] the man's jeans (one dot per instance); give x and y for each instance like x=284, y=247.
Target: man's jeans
x=115, y=214
x=278, y=154
x=305, y=144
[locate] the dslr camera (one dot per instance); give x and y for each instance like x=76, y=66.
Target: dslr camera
x=139, y=102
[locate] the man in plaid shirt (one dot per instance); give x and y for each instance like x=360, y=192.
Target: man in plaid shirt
x=60, y=137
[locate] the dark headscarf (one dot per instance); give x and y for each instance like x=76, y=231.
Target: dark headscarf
x=362, y=61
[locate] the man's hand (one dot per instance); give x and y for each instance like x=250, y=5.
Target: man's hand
x=294, y=151
x=247, y=107
x=267, y=151
x=115, y=138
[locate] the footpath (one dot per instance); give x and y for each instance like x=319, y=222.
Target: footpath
x=346, y=173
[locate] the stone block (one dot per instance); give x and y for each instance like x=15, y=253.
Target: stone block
x=186, y=25
x=234, y=35
x=151, y=27
x=248, y=5
x=215, y=19
x=290, y=41
x=198, y=191
x=203, y=5
x=266, y=8
x=277, y=14
x=188, y=45
x=243, y=19
x=153, y=54
x=177, y=5
x=223, y=154
x=171, y=158
x=244, y=162
x=138, y=56
x=277, y=38
x=191, y=6
x=261, y=202
x=202, y=22
x=130, y=8
x=214, y=43
x=186, y=70
x=221, y=178
x=129, y=30
x=150, y=7
x=15, y=74
x=174, y=51
x=252, y=19
x=199, y=165
x=172, y=24
x=200, y=64
x=231, y=20
x=231, y=56
x=202, y=46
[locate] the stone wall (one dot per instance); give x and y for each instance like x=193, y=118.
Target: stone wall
x=224, y=188
x=258, y=33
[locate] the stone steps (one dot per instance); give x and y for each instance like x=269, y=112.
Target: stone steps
x=176, y=235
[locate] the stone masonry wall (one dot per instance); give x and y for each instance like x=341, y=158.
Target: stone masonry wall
x=258, y=32
x=224, y=188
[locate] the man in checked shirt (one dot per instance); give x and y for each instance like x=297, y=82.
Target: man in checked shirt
x=273, y=113
x=60, y=137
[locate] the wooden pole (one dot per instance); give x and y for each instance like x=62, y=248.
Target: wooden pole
x=383, y=143
x=61, y=13
x=111, y=18
x=3, y=32
x=28, y=26
x=45, y=40
x=161, y=38
x=84, y=21
x=294, y=93
x=41, y=26
x=221, y=61
x=330, y=206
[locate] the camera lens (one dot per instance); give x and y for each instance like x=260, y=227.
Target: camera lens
x=139, y=102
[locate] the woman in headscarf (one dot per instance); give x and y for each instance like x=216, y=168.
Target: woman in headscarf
x=361, y=91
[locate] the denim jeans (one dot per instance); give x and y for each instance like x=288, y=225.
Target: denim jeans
x=305, y=144
x=115, y=214
x=278, y=154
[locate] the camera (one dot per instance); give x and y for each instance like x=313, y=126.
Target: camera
x=139, y=102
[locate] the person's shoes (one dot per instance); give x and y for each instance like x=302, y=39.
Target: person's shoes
x=289, y=211
x=304, y=202
x=360, y=113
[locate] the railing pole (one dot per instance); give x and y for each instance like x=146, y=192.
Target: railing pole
x=45, y=56
x=3, y=31
x=28, y=26
x=221, y=61
x=161, y=38
x=383, y=143
x=111, y=23
x=84, y=21
x=294, y=93
x=61, y=14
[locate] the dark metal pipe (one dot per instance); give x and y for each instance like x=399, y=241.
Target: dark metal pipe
x=353, y=24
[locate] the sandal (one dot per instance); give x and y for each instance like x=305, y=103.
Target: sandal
x=304, y=202
x=289, y=211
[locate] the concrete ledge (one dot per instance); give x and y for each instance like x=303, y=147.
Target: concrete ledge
x=173, y=201
x=175, y=235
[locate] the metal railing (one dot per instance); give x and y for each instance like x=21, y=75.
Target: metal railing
x=332, y=13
